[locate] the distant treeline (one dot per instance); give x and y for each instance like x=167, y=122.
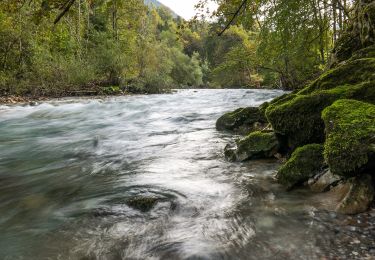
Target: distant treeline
x=60, y=47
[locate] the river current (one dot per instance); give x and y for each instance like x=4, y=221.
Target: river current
x=68, y=169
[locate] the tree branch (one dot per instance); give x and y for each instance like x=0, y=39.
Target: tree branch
x=67, y=5
x=244, y=2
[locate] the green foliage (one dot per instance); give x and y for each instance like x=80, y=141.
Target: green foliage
x=95, y=45
x=305, y=162
x=294, y=38
x=350, y=127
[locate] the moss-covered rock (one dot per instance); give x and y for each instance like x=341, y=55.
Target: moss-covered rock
x=350, y=127
x=298, y=117
x=351, y=72
x=242, y=120
x=304, y=163
x=255, y=145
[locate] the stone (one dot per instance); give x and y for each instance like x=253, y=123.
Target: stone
x=350, y=142
x=324, y=181
x=359, y=196
x=255, y=145
x=304, y=163
x=242, y=120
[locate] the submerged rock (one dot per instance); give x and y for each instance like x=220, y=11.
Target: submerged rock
x=255, y=145
x=350, y=144
x=354, y=195
x=304, y=163
x=242, y=120
x=143, y=204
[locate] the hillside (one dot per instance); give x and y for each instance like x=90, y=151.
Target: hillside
x=156, y=3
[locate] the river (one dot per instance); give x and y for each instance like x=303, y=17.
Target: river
x=68, y=169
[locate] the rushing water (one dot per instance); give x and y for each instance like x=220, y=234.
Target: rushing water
x=68, y=170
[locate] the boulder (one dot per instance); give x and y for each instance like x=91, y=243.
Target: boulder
x=324, y=181
x=242, y=120
x=354, y=195
x=352, y=72
x=255, y=145
x=304, y=163
x=350, y=145
x=297, y=118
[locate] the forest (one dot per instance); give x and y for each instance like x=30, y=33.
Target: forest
x=59, y=47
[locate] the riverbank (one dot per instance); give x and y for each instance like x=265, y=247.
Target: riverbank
x=32, y=100
x=12, y=100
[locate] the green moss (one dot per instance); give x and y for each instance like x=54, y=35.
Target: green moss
x=242, y=120
x=346, y=45
x=368, y=52
x=299, y=117
x=350, y=127
x=255, y=145
x=351, y=72
x=304, y=163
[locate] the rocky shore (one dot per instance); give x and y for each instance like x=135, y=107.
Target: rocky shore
x=11, y=100
x=324, y=132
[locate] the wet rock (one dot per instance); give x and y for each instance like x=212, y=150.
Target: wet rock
x=350, y=197
x=255, y=145
x=359, y=196
x=350, y=143
x=324, y=181
x=143, y=204
x=242, y=120
x=304, y=163
x=33, y=103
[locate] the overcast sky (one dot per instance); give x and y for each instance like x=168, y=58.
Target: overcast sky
x=184, y=8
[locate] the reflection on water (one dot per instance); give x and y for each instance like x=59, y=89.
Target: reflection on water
x=73, y=172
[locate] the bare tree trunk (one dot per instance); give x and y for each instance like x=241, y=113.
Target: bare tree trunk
x=114, y=20
x=334, y=12
x=341, y=12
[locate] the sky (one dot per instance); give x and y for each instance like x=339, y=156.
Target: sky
x=184, y=8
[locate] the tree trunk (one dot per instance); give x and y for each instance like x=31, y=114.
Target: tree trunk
x=334, y=15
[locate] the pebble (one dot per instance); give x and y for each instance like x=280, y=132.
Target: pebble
x=346, y=237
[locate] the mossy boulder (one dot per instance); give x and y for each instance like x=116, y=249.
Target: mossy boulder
x=351, y=72
x=255, y=145
x=243, y=120
x=304, y=163
x=350, y=145
x=298, y=117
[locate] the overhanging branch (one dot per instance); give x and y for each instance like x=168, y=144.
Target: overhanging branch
x=67, y=5
x=243, y=4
